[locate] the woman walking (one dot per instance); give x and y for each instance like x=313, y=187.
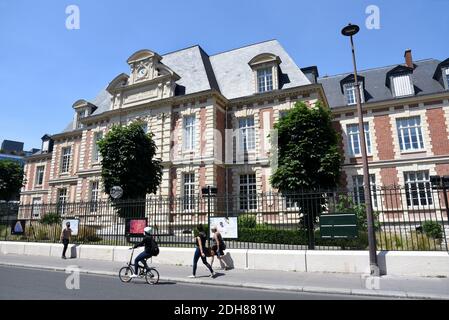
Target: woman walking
x=200, y=242
x=218, y=248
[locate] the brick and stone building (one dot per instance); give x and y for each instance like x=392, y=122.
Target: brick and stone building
x=210, y=116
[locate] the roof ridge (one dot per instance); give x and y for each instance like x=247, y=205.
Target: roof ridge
x=375, y=68
x=245, y=46
x=192, y=46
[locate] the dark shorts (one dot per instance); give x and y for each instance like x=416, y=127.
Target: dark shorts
x=214, y=247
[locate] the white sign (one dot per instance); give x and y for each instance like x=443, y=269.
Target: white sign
x=226, y=226
x=74, y=223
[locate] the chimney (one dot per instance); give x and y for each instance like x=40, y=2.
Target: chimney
x=408, y=58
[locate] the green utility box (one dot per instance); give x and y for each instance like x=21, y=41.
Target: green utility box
x=338, y=226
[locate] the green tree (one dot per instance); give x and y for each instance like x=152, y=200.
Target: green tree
x=308, y=155
x=11, y=179
x=128, y=161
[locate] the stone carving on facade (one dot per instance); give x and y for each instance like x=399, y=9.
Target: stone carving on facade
x=149, y=80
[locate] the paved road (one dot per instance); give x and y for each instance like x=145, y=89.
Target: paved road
x=23, y=283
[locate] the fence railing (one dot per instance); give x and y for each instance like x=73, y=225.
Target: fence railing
x=405, y=219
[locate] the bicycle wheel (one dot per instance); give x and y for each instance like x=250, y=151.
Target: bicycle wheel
x=125, y=273
x=152, y=276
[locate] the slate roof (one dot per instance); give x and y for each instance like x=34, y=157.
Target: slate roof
x=227, y=72
x=375, y=83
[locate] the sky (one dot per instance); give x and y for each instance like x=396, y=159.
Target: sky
x=45, y=67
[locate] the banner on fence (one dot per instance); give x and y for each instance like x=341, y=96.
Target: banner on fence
x=135, y=227
x=226, y=226
x=74, y=225
x=18, y=227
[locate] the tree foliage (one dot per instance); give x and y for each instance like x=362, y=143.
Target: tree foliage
x=11, y=179
x=308, y=153
x=128, y=161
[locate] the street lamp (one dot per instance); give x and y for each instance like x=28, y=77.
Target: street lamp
x=349, y=31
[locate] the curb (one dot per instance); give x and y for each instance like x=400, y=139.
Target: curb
x=339, y=291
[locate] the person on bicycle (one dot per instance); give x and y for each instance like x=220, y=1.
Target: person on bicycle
x=148, y=243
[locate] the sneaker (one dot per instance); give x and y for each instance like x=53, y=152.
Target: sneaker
x=192, y=276
x=63, y=257
x=133, y=276
x=212, y=274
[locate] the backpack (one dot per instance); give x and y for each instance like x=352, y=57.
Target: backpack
x=154, y=248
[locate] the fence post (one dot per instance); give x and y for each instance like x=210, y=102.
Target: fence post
x=447, y=209
x=310, y=229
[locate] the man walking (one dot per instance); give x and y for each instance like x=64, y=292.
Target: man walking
x=66, y=235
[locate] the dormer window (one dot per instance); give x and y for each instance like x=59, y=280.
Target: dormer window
x=80, y=114
x=265, y=79
x=402, y=85
x=265, y=67
x=446, y=73
x=350, y=93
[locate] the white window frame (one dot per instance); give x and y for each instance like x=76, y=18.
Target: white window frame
x=418, y=189
x=96, y=157
x=410, y=130
x=62, y=200
x=80, y=115
x=406, y=85
x=36, y=211
x=247, y=134
x=38, y=173
x=66, y=159
x=353, y=134
x=248, y=192
x=359, y=189
x=264, y=78
x=349, y=88
x=188, y=191
x=189, y=123
x=94, y=195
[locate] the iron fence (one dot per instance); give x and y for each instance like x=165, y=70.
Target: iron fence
x=405, y=219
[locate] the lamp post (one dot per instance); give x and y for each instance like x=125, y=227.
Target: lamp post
x=349, y=31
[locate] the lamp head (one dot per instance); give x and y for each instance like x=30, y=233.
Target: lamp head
x=350, y=30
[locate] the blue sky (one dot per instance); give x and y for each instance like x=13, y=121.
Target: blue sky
x=44, y=67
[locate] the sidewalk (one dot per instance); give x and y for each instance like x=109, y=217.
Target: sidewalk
x=332, y=283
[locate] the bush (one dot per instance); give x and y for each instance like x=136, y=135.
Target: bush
x=87, y=234
x=413, y=241
x=247, y=221
x=433, y=229
x=51, y=218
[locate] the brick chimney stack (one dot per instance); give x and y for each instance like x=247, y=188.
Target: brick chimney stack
x=408, y=58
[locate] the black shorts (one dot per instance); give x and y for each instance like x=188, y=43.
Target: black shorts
x=215, y=247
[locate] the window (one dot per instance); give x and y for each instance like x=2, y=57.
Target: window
x=402, y=85
x=247, y=134
x=62, y=201
x=40, y=175
x=265, y=79
x=189, y=191
x=446, y=73
x=354, y=139
x=359, y=189
x=349, y=89
x=283, y=114
x=189, y=133
x=81, y=114
x=94, y=189
x=248, y=195
x=96, y=152
x=417, y=188
x=409, y=133
x=66, y=155
x=36, y=208
x=145, y=127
